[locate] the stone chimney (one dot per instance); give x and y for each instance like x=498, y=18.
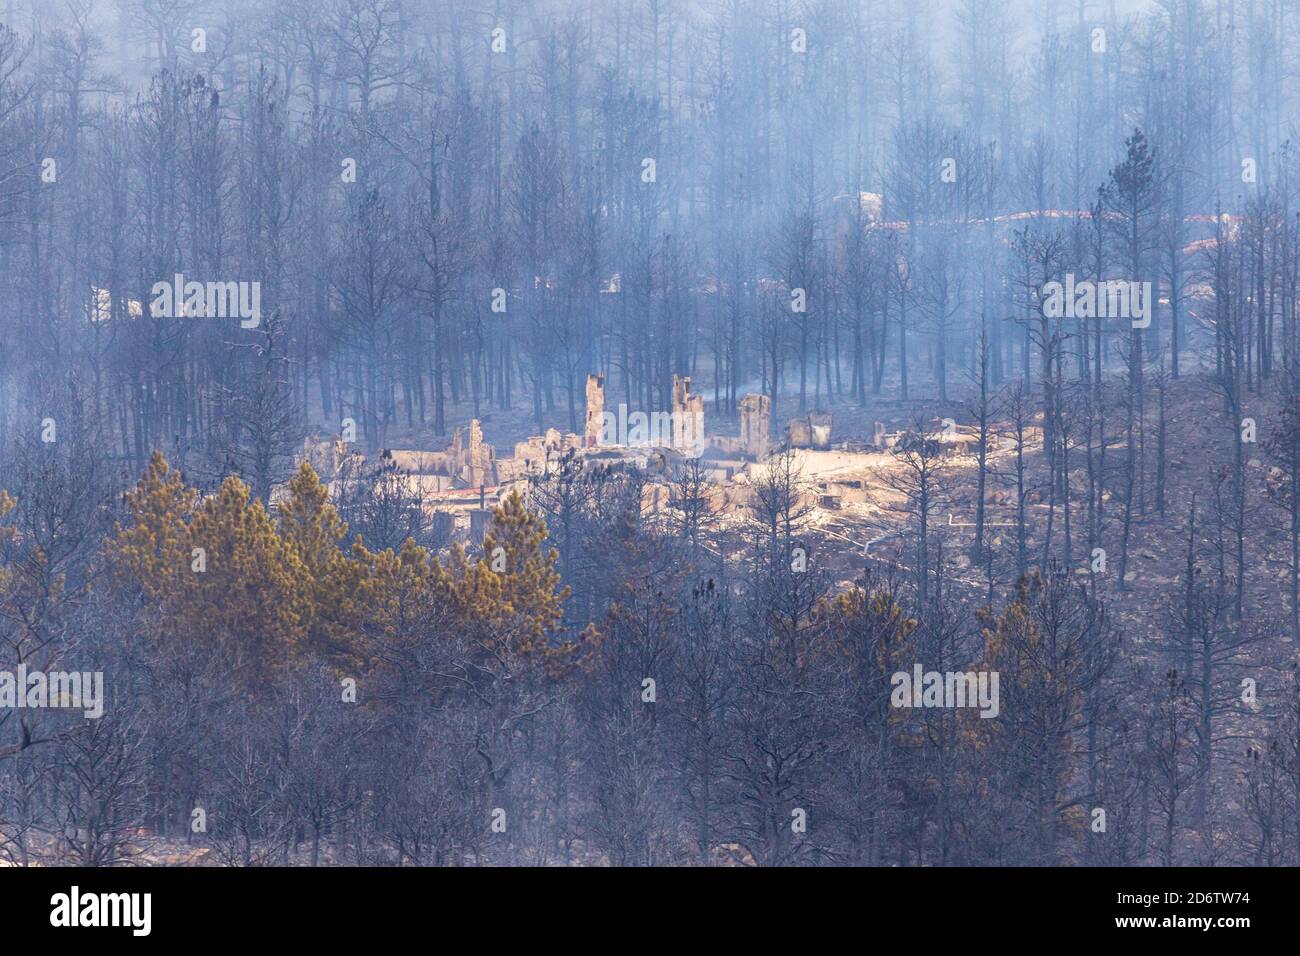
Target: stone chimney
x=595, y=410
x=755, y=424
x=687, y=416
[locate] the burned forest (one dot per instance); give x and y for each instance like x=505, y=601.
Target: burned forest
x=655, y=433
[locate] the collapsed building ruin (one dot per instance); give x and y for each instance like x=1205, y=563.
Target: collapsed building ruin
x=467, y=477
x=811, y=431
